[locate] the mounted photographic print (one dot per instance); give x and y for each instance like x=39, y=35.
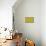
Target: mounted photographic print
x=29, y=19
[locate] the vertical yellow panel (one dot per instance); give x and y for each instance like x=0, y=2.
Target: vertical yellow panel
x=29, y=19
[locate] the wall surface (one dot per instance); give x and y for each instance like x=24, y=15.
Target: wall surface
x=29, y=8
x=6, y=13
x=43, y=20
x=6, y=16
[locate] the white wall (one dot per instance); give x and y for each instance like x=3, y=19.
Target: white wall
x=29, y=8
x=43, y=20
x=6, y=13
